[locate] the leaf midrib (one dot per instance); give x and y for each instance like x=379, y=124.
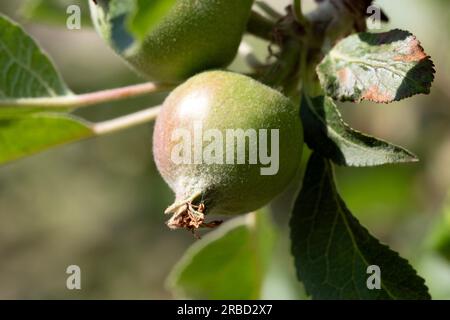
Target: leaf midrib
x=44, y=83
x=349, y=230
x=337, y=55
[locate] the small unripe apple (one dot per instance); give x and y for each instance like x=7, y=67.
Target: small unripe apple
x=225, y=144
x=194, y=36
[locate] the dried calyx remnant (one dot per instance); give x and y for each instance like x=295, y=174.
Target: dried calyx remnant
x=189, y=215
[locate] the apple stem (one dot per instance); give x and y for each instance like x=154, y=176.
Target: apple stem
x=268, y=10
x=125, y=122
x=298, y=12
x=260, y=26
x=87, y=99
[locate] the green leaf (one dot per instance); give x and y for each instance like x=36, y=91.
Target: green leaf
x=147, y=15
x=25, y=71
x=24, y=135
x=111, y=19
x=328, y=134
x=27, y=74
x=333, y=251
x=228, y=263
x=126, y=23
x=380, y=67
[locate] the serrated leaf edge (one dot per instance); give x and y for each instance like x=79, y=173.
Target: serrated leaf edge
x=343, y=99
x=413, y=158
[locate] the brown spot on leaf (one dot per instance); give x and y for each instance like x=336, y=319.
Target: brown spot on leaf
x=414, y=53
x=343, y=74
x=374, y=94
x=345, y=77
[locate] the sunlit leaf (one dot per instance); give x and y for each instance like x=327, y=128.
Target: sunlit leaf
x=228, y=263
x=380, y=67
x=28, y=134
x=27, y=73
x=25, y=70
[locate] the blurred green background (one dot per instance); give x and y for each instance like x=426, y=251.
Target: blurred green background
x=99, y=204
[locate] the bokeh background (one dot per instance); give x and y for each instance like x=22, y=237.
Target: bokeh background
x=99, y=203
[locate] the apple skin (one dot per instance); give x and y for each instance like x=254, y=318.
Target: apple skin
x=193, y=37
x=224, y=100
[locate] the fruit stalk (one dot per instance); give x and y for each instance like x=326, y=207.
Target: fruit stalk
x=260, y=26
x=88, y=99
x=125, y=122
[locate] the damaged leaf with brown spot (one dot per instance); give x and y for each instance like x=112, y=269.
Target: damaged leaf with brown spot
x=379, y=67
